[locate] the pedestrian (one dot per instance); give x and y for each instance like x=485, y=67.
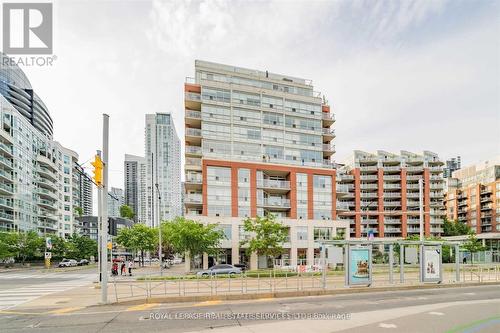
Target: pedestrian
x=130, y=268
x=465, y=260
x=122, y=271
x=114, y=269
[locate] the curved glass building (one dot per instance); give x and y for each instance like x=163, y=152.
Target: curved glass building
x=39, y=184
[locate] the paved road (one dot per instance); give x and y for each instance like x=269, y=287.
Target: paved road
x=429, y=310
x=20, y=287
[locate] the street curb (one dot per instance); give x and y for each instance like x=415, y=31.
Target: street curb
x=302, y=293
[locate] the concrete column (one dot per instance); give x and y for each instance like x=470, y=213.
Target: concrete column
x=293, y=256
x=253, y=261
x=187, y=263
x=293, y=245
x=235, y=255
x=310, y=245
x=205, y=261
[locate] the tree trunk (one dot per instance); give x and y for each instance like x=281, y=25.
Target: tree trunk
x=142, y=258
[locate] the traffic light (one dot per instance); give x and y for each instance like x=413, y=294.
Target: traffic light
x=98, y=165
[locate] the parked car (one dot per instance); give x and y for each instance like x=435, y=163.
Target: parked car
x=83, y=262
x=177, y=261
x=243, y=267
x=220, y=269
x=68, y=263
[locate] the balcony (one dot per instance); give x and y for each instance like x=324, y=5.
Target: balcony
x=369, y=221
x=46, y=172
x=6, y=217
x=193, y=199
x=276, y=203
x=193, y=163
x=47, y=194
x=438, y=230
x=193, y=136
x=6, y=203
x=412, y=203
x=192, y=100
x=368, y=177
x=435, y=169
x=415, y=169
x=193, y=151
x=412, y=195
x=368, y=186
x=328, y=118
x=328, y=149
x=392, y=168
x=6, y=189
x=192, y=118
x=47, y=204
x=392, y=230
x=6, y=176
x=368, y=195
x=6, y=150
x=342, y=206
x=328, y=133
x=392, y=186
x=392, y=195
x=391, y=221
x=346, y=178
x=414, y=177
x=6, y=162
x=368, y=168
x=392, y=178
x=274, y=185
x=392, y=203
x=341, y=189
x=46, y=183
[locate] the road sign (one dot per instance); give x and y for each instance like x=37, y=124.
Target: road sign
x=48, y=243
x=48, y=255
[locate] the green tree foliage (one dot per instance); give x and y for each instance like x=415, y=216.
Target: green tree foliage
x=8, y=244
x=473, y=245
x=27, y=245
x=184, y=235
x=79, y=211
x=81, y=247
x=268, y=235
x=59, y=247
x=138, y=238
x=126, y=212
x=455, y=228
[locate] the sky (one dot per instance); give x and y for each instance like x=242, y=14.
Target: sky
x=399, y=75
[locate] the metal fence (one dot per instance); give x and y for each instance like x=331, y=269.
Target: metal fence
x=150, y=286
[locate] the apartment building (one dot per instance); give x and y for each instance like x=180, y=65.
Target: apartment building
x=163, y=169
x=38, y=183
x=135, y=186
x=453, y=164
x=116, y=199
x=259, y=143
x=381, y=194
x=473, y=196
x=83, y=189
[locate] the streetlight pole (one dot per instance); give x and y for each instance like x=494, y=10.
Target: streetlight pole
x=159, y=229
x=104, y=209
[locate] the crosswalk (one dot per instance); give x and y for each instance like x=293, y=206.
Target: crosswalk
x=10, y=298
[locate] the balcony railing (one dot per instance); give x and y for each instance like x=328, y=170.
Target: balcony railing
x=369, y=195
x=193, y=114
x=368, y=186
x=392, y=230
x=193, y=198
x=191, y=96
x=193, y=161
x=392, y=168
x=273, y=183
x=194, y=180
x=193, y=150
x=342, y=205
x=392, y=195
x=7, y=188
x=341, y=188
x=276, y=202
x=392, y=177
x=368, y=177
x=328, y=116
x=328, y=147
x=193, y=132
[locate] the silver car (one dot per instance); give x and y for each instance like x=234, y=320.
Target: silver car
x=220, y=269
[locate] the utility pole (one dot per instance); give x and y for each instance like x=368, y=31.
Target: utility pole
x=99, y=216
x=421, y=198
x=104, y=209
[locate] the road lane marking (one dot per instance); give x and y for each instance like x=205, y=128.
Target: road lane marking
x=384, y=325
x=435, y=313
x=142, y=307
x=65, y=310
x=207, y=303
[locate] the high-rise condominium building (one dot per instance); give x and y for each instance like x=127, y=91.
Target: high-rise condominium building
x=38, y=181
x=135, y=186
x=381, y=194
x=452, y=164
x=259, y=143
x=116, y=199
x=163, y=169
x=473, y=196
x=83, y=185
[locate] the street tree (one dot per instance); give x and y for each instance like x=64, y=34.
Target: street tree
x=138, y=238
x=79, y=246
x=8, y=243
x=126, y=212
x=188, y=236
x=455, y=228
x=27, y=245
x=268, y=236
